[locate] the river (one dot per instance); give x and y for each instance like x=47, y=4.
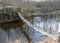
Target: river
x=15, y=35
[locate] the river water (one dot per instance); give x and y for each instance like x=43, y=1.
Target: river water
x=50, y=25
x=12, y=36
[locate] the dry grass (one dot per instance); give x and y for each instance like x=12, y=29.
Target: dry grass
x=49, y=40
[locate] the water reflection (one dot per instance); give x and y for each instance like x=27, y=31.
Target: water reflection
x=33, y=34
x=12, y=36
x=49, y=24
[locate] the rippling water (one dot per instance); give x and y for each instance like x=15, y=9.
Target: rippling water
x=12, y=36
x=50, y=25
x=15, y=35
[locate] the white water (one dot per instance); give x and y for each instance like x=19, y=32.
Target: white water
x=15, y=35
x=12, y=36
x=50, y=25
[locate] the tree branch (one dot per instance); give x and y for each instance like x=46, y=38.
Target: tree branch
x=31, y=25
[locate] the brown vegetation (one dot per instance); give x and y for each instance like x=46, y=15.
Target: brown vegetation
x=49, y=40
